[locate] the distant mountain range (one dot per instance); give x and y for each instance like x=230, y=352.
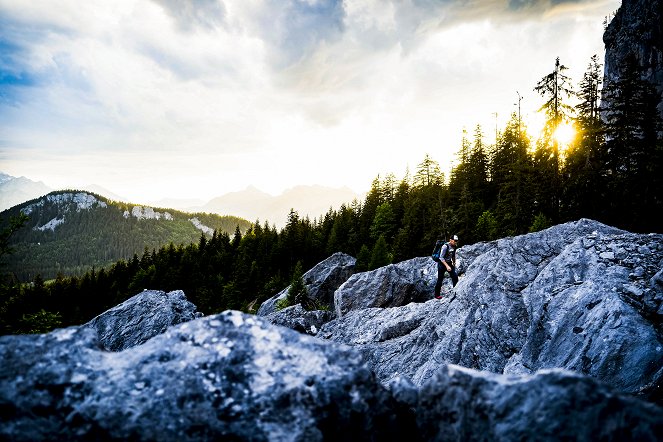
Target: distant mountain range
x=251, y=204
x=15, y=190
x=69, y=232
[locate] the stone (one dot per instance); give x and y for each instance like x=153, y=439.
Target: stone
x=321, y=281
x=141, y=317
x=462, y=404
x=303, y=321
x=390, y=286
x=518, y=308
x=225, y=377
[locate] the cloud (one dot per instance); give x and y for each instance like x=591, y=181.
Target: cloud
x=272, y=79
x=192, y=14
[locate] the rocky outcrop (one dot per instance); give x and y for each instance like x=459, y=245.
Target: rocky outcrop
x=637, y=29
x=321, y=281
x=140, y=318
x=581, y=296
x=303, y=321
x=229, y=376
x=462, y=404
x=237, y=377
x=390, y=286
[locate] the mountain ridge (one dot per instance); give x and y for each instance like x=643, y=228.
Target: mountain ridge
x=71, y=231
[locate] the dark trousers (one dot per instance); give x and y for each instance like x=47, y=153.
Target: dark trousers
x=441, y=270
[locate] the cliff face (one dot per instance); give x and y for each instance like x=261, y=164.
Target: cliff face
x=636, y=29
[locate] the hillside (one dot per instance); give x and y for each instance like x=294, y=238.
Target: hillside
x=69, y=232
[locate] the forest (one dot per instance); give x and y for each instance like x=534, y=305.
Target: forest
x=96, y=236
x=612, y=171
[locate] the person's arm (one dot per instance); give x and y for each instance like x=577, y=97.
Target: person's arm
x=443, y=253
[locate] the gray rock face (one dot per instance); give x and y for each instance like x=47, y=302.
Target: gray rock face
x=637, y=28
x=229, y=376
x=390, y=286
x=303, y=321
x=140, y=318
x=581, y=296
x=549, y=406
x=321, y=281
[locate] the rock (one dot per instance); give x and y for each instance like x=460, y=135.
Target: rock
x=519, y=308
x=237, y=377
x=637, y=28
x=390, y=286
x=462, y=404
x=225, y=377
x=140, y=318
x=321, y=281
x=303, y=321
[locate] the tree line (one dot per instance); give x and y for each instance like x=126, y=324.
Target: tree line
x=612, y=172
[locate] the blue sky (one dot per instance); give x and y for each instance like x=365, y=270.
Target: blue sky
x=174, y=98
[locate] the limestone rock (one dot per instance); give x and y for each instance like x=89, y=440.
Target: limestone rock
x=303, y=321
x=462, y=404
x=543, y=300
x=321, y=281
x=229, y=376
x=140, y=318
x=390, y=286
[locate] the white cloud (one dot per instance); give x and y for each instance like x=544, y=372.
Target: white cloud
x=146, y=97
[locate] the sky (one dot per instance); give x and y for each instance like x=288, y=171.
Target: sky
x=157, y=99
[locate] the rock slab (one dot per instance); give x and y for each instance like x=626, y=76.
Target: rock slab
x=321, y=281
x=142, y=317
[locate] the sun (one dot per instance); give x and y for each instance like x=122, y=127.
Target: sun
x=565, y=134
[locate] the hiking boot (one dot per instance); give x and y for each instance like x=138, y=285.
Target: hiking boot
x=438, y=297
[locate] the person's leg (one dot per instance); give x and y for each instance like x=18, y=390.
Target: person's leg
x=440, y=276
x=454, y=277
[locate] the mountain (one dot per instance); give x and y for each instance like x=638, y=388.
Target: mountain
x=71, y=231
x=253, y=204
x=549, y=336
x=15, y=191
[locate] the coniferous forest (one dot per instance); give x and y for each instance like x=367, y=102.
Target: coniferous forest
x=612, y=172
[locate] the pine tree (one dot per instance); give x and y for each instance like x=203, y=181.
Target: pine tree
x=581, y=196
x=555, y=87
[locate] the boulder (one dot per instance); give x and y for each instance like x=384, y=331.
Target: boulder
x=321, y=281
x=303, y=321
x=463, y=404
x=140, y=318
x=229, y=376
x=567, y=297
x=234, y=376
x=390, y=286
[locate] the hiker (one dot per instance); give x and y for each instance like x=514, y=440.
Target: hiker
x=446, y=263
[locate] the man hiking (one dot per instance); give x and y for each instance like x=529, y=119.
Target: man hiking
x=446, y=263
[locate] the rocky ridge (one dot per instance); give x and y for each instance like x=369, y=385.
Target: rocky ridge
x=581, y=296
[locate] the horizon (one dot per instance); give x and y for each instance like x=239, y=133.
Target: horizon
x=231, y=95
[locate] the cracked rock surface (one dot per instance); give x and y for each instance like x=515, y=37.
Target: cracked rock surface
x=582, y=296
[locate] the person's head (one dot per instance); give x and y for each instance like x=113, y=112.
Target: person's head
x=454, y=239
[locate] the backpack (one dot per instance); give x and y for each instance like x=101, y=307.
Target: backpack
x=437, y=249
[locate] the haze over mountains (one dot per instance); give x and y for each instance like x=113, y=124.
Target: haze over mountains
x=251, y=203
